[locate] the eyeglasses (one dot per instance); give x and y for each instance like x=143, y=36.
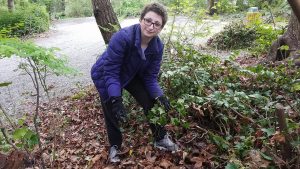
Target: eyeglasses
x=148, y=22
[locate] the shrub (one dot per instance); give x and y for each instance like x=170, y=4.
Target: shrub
x=79, y=8
x=225, y=6
x=128, y=7
x=234, y=36
x=37, y=19
x=11, y=24
x=266, y=35
x=257, y=37
x=33, y=19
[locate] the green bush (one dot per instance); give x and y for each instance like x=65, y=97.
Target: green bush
x=226, y=6
x=257, y=37
x=234, y=36
x=266, y=36
x=128, y=7
x=11, y=24
x=79, y=8
x=33, y=19
x=37, y=19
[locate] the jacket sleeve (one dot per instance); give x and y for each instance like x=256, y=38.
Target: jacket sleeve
x=113, y=63
x=151, y=76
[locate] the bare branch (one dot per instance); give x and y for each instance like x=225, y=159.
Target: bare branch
x=13, y=125
x=36, y=115
x=287, y=147
x=5, y=135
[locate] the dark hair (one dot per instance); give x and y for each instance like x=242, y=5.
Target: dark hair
x=158, y=9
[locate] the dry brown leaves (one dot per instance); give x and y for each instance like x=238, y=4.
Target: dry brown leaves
x=75, y=137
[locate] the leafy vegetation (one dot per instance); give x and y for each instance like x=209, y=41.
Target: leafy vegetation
x=37, y=63
x=238, y=35
x=234, y=104
x=128, y=8
x=28, y=20
x=78, y=8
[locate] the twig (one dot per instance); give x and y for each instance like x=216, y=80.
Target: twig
x=192, y=139
x=172, y=29
x=30, y=75
x=273, y=20
x=295, y=110
x=202, y=129
x=33, y=66
x=43, y=81
x=14, y=105
x=244, y=117
x=5, y=136
x=287, y=147
x=7, y=117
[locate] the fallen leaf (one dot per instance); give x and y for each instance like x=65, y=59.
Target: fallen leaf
x=165, y=163
x=278, y=137
x=96, y=158
x=198, y=165
x=254, y=160
x=73, y=158
x=198, y=160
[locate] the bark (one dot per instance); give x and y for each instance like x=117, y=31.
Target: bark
x=63, y=5
x=106, y=18
x=295, y=4
x=15, y=160
x=210, y=8
x=290, y=38
x=10, y=5
x=287, y=148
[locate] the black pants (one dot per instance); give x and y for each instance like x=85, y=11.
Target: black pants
x=137, y=89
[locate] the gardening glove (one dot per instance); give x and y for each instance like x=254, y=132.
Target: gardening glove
x=162, y=100
x=118, y=109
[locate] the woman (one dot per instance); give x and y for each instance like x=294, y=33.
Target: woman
x=132, y=61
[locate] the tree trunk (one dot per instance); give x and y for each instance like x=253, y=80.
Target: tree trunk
x=106, y=18
x=295, y=4
x=290, y=38
x=210, y=8
x=10, y=5
x=63, y=5
x=15, y=160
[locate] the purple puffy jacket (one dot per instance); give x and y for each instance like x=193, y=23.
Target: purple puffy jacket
x=123, y=60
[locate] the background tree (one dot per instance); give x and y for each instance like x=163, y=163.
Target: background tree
x=296, y=8
x=211, y=9
x=106, y=18
x=10, y=5
x=288, y=44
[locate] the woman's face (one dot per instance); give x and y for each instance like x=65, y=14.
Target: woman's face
x=151, y=24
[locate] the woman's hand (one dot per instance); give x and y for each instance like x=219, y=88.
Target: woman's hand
x=162, y=100
x=118, y=109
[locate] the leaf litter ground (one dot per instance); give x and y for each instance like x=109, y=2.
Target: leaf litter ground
x=74, y=133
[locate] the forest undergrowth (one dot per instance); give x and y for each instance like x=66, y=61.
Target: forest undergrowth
x=225, y=116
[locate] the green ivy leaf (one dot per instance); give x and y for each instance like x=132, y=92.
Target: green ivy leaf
x=33, y=140
x=21, y=122
x=266, y=156
x=5, y=84
x=231, y=166
x=284, y=47
x=222, y=143
x=19, y=133
x=269, y=131
x=296, y=87
x=175, y=121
